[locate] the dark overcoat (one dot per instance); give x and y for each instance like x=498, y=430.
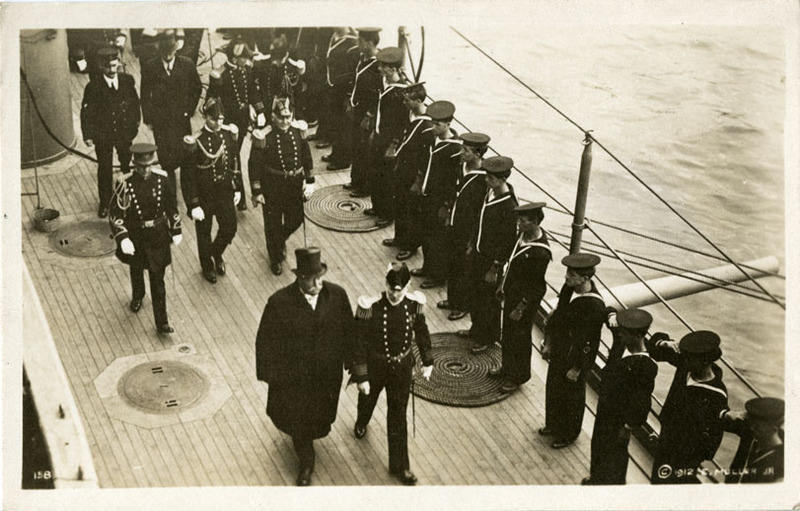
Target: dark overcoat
x=300, y=353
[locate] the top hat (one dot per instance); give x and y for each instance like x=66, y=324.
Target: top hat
x=309, y=262
x=398, y=275
x=144, y=154
x=581, y=261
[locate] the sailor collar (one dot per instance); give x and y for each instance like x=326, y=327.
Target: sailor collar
x=591, y=294
x=336, y=41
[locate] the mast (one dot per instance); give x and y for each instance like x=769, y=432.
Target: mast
x=580, y=199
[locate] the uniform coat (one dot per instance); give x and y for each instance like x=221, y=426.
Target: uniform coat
x=573, y=332
x=624, y=399
x=391, y=121
x=463, y=226
x=284, y=153
x=110, y=118
x=494, y=240
x=691, y=428
x=168, y=103
x=524, y=279
x=211, y=176
x=300, y=353
x=237, y=89
x=340, y=60
x=144, y=211
x=385, y=359
x=367, y=85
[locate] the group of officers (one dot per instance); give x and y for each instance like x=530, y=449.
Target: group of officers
x=444, y=197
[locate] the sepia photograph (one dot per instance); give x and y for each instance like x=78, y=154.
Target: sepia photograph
x=477, y=255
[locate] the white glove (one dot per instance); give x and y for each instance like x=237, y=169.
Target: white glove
x=119, y=41
x=308, y=190
x=127, y=246
x=612, y=320
x=198, y=213
x=261, y=120
x=180, y=43
x=252, y=113
x=237, y=198
x=363, y=388
x=177, y=239
x=426, y=371
x=258, y=199
x=82, y=65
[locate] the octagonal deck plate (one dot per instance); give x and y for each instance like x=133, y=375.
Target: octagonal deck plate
x=163, y=388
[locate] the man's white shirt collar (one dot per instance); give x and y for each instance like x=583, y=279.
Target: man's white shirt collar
x=112, y=82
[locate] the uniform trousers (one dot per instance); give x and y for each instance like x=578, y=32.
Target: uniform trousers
x=104, y=149
x=158, y=291
x=564, y=400
x=220, y=206
x=485, y=309
x=360, y=172
x=516, y=342
x=609, y=462
x=434, y=241
x=283, y=212
x=383, y=182
x=396, y=378
x=337, y=128
x=460, y=289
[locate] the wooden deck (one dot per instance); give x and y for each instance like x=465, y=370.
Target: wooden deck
x=86, y=308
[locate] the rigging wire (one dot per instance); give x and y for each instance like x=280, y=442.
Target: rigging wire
x=631, y=172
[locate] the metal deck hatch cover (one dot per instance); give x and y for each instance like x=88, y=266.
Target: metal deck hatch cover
x=88, y=238
x=332, y=207
x=163, y=386
x=459, y=378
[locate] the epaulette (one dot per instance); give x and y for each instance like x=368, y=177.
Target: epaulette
x=234, y=129
x=302, y=126
x=417, y=296
x=159, y=171
x=300, y=64
x=365, y=303
x=216, y=74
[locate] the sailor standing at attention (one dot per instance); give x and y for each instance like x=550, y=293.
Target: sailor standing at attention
x=386, y=325
x=212, y=186
x=572, y=338
x=144, y=220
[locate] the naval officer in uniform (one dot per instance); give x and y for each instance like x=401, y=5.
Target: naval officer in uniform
x=212, y=185
x=145, y=222
x=386, y=325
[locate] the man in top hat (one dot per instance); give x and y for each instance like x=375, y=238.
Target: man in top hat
x=759, y=457
x=691, y=425
x=235, y=85
x=171, y=89
x=386, y=325
x=110, y=118
x=276, y=72
x=144, y=222
x=280, y=178
x=626, y=383
x=212, y=185
x=305, y=338
x=572, y=338
x=436, y=184
x=390, y=122
x=489, y=248
x=412, y=156
x=341, y=58
x=521, y=289
x=463, y=223
x=362, y=109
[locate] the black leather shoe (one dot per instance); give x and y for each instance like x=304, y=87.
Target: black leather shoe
x=337, y=166
x=219, y=264
x=406, y=477
x=456, y=315
x=357, y=194
x=135, y=305
x=508, y=387
x=561, y=443
x=346, y=186
x=359, y=431
x=325, y=158
x=389, y=242
x=586, y=481
x=370, y=212
x=277, y=268
x=444, y=304
x=464, y=334
x=165, y=329
x=428, y=284
x=102, y=211
x=382, y=222
x=495, y=372
x=304, y=477
x=418, y=272
x=545, y=431
x=322, y=144
x=405, y=254
x=210, y=276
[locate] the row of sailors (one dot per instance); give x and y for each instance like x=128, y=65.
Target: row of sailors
x=504, y=267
